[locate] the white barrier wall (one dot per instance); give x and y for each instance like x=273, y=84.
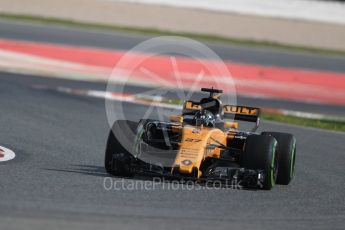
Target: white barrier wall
x=324, y=11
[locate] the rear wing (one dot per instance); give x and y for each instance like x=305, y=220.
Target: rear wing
x=242, y=113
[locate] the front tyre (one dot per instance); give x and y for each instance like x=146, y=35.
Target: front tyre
x=118, y=158
x=287, y=155
x=260, y=153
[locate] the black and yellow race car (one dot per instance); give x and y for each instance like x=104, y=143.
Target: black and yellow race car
x=203, y=143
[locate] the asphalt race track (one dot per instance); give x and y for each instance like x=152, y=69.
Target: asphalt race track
x=56, y=180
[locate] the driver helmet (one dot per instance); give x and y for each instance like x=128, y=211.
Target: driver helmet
x=205, y=118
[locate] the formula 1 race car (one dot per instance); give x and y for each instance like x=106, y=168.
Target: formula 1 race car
x=203, y=143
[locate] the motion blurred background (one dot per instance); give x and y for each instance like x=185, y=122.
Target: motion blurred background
x=292, y=51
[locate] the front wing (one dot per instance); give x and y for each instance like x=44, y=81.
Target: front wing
x=233, y=177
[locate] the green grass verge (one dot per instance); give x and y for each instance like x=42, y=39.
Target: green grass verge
x=321, y=124
x=156, y=32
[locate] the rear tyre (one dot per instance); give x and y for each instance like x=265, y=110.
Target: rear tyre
x=260, y=153
x=118, y=159
x=287, y=154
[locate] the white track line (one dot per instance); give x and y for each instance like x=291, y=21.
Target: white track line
x=138, y=99
x=158, y=101
x=6, y=154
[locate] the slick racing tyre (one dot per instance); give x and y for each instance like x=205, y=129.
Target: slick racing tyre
x=287, y=154
x=260, y=153
x=118, y=159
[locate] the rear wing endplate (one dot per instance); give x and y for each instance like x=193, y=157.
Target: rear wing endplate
x=190, y=108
